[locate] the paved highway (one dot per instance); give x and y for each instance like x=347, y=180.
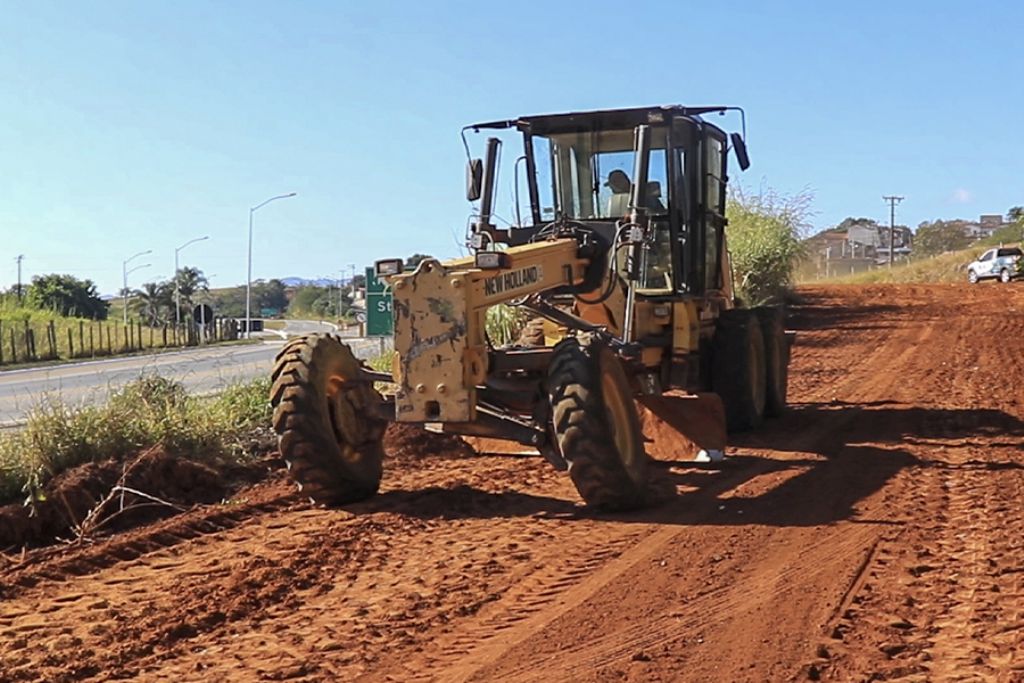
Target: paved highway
x=200, y=369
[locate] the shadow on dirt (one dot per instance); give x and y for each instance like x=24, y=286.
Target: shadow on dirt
x=851, y=451
x=847, y=452
x=465, y=502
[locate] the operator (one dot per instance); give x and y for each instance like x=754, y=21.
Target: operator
x=618, y=203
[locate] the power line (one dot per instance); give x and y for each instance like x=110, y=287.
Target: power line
x=893, y=201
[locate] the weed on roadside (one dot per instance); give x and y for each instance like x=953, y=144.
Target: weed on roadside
x=149, y=411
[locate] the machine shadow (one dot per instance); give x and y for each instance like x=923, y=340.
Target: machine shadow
x=850, y=452
x=464, y=502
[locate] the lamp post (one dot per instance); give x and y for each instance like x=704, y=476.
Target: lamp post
x=177, y=290
x=248, y=277
x=124, y=278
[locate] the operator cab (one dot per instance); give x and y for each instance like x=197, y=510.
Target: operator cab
x=580, y=168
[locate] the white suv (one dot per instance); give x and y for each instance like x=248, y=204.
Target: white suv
x=1004, y=263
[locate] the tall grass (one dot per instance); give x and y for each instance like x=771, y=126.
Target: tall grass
x=505, y=323
x=149, y=411
x=764, y=238
x=948, y=267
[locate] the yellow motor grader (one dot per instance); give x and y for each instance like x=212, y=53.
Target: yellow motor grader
x=622, y=266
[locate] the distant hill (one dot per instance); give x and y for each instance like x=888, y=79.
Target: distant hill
x=304, y=282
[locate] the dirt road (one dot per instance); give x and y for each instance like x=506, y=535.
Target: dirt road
x=874, y=533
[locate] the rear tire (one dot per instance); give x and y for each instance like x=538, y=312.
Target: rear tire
x=327, y=432
x=595, y=424
x=776, y=358
x=1004, y=276
x=738, y=372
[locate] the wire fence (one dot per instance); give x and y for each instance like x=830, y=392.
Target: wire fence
x=30, y=341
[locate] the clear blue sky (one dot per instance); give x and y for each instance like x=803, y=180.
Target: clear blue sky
x=127, y=126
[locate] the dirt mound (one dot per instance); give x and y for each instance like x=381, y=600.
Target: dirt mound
x=71, y=495
x=413, y=442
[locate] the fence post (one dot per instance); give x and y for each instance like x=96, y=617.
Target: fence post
x=81, y=337
x=71, y=344
x=52, y=332
x=1, y=342
x=92, y=346
x=14, y=347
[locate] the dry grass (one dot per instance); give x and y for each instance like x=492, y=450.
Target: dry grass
x=147, y=412
x=948, y=267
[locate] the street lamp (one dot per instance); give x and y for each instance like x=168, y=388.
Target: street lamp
x=124, y=278
x=177, y=292
x=248, y=277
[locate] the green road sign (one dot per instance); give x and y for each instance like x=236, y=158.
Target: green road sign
x=380, y=321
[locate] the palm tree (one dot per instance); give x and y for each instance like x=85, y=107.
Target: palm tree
x=190, y=281
x=150, y=301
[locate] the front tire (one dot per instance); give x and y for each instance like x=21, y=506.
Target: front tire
x=328, y=433
x=595, y=424
x=972, y=277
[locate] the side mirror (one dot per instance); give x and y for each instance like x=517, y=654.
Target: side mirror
x=474, y=179
x=740, y=148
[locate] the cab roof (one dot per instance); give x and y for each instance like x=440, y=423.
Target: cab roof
x=604, y=118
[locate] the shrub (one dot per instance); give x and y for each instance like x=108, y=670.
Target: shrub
x=764, y=238
x=148, y=411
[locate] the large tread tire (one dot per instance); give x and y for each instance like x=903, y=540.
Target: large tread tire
x=327, y=433
x=776, y=358
x=595, y=424
x=738, y=371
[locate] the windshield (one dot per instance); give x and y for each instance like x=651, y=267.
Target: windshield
x=587, y=175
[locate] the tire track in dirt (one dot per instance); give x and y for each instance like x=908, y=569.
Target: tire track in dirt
x=489, y=645
x=485, y=569
x=944, y=600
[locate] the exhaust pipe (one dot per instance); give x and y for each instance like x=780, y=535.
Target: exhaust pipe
x=638, y=230
x=490, y=180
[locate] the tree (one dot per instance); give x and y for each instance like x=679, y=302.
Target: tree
x=938, y=237
x=189, y=281
x=415, y=259
x=151, y=300
x=1015, y=214
x=66, y=295
x=270, y=295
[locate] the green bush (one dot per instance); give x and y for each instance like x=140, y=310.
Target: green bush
x=149, y=411
x=505, y=323
x=764, y=238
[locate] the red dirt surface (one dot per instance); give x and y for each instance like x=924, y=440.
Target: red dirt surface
x=876, y=532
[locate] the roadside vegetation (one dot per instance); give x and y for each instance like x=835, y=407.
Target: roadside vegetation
x=947, y=267
x=765, y=241
x=59, y=317
x=151, y=411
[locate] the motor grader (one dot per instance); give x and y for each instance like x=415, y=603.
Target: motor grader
x=622, y=267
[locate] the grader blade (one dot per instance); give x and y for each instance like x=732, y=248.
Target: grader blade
x=683, y=427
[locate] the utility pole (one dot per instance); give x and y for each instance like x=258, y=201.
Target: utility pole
x=19, y=258
x=893, y=201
